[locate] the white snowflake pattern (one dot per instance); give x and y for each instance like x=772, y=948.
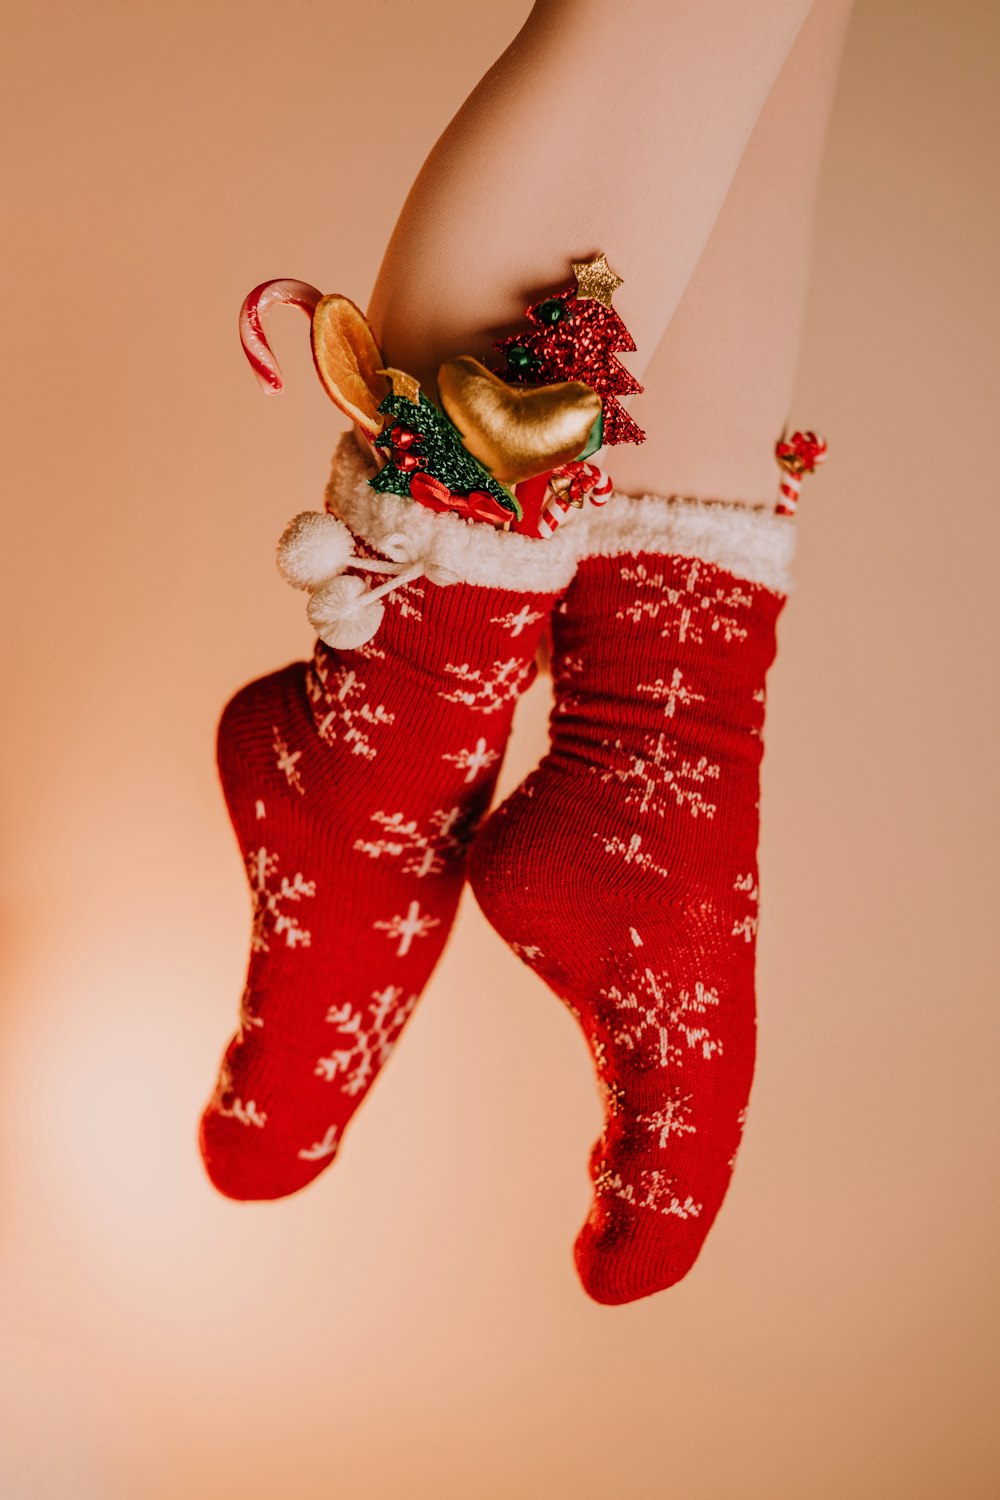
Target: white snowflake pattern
x=339, y=690
x=270, y=895
x=408, y=927
x=249, y=1019
x=407, y=600
x=287, y=761
x=527, y=952
x=655, y=1022
x=632, y=852
x=741, y=1120
x=671, y=1118
x=244, y=1111
x=567, y=704
x=655, y=776
x=671, y=693
x=516, y=623
x=654, y=1190
x=479, y=758
x=246, y=1114
x=746, y=927
x=700, y=604
x=487, y=693
x=370, y=651
x=369, y=1038
x=422, y=853
x=321, y=1149
x=758, y=696
x=612, y=1093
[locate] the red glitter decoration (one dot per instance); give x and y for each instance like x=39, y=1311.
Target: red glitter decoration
x=580, y=346
x=802, y=453
x=797, y=456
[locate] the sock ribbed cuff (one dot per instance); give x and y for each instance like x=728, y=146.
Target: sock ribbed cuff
x=755, y=545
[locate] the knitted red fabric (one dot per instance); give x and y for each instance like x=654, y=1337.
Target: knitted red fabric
x=623, y=870
x=354, y=784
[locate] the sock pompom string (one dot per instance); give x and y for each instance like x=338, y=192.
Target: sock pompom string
x=797, y=456
x=314, y=553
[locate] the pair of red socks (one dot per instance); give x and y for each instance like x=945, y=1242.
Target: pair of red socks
x=623, y=870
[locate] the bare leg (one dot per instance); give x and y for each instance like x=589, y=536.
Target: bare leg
x=624, y=869
x=719, y=385
x=600, y=128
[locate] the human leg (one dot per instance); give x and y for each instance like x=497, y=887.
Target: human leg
x=624, y=869
x=601, y=127
x=353, y=783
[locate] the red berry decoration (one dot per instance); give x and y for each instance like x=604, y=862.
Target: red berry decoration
x=407, y=462
x=403, y=438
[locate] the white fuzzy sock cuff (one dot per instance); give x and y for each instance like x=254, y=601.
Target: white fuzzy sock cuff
x=475, y=552
x=755, y=545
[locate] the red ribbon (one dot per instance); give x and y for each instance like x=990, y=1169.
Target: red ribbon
x=478, y=506
x=583, y=477
x=802, y=453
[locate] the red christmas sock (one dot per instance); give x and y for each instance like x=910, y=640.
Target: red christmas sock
x=354, y=784
x=624, y=870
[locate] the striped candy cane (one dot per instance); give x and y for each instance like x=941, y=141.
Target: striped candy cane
x=575, y=481
x=256, y=305
x=797, y=456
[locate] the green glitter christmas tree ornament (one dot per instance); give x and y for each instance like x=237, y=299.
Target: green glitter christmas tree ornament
x=427, y=442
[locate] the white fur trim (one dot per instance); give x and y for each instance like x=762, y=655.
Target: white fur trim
x=753, y=544
x=471, y=551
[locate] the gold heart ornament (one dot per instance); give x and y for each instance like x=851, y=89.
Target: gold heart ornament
x=516, y=432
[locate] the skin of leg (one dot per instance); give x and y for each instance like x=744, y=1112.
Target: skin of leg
x=600, y=128
x=643, y=817
x=719, y=386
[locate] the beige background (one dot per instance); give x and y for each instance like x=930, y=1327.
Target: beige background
x=411, y=1326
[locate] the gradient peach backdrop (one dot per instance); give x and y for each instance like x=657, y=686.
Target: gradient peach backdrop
x=411, y=1326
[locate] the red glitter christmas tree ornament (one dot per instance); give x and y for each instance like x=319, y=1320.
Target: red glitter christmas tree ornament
x=575, y=335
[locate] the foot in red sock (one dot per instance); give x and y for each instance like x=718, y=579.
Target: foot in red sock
x=624, y=869
x=353, y=784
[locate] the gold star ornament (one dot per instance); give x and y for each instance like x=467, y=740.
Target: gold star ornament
x=596, y=280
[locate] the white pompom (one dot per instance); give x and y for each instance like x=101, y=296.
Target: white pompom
x=337, y=616
x=314, y=547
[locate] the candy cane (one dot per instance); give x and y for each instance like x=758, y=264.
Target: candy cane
x=797, y=456
x=256, y=305
x=602, y=491
x=557, y=507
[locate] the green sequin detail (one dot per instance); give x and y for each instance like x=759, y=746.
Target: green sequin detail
x=441, y=445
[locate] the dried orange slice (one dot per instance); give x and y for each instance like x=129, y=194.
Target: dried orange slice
x=348, y=361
